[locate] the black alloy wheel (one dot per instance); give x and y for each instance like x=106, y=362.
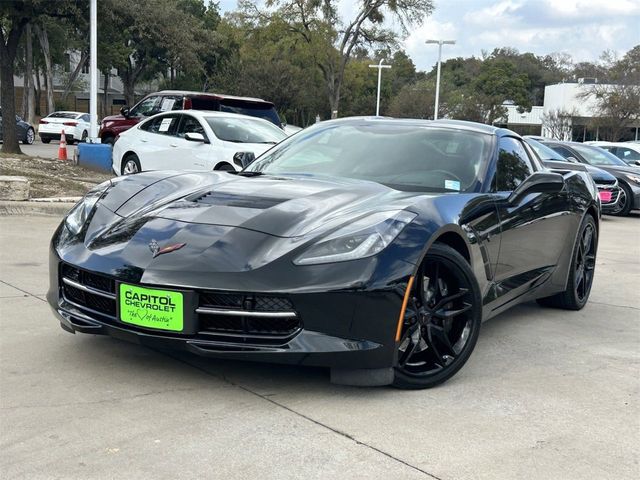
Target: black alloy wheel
x=582, y=270
x=442, y=321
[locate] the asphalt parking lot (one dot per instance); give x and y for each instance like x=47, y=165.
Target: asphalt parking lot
x=547, y=394
x=39, y=149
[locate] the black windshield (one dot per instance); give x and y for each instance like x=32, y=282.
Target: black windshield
x=405, y=157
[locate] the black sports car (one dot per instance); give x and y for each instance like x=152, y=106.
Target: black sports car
x=607, y=184
x=372, y=246
x=628, y=176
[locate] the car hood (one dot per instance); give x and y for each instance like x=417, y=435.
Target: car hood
x=282, y=206
x=620, y=169
x=111, y=118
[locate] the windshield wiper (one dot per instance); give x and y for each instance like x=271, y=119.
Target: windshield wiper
x=250, y=174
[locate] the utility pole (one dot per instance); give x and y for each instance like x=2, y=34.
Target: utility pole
x=439, y=43
x=380, y=66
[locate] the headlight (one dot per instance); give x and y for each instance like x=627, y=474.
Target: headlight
x=360, y=239
x=77, y=217
x=633, y=178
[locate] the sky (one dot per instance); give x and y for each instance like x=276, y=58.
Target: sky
x=581, y=28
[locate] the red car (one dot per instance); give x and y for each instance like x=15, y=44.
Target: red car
x=167, y=100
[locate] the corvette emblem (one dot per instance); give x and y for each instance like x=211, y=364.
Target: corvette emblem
x=156, y=250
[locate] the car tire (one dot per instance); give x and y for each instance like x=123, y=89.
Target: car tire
x=130, y=164
x=581, y=271
x=224, y=167
x=443, y=316
x=45, y=140
x=84, y=136
x=627, y=200
x=30, y=137
x=109, y=140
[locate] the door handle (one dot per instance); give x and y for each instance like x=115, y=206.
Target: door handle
x=143, y=140
x=173, y=144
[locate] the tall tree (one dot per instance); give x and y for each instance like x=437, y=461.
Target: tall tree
x=334, y=39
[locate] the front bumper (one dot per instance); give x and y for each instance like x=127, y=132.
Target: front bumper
x=341, y=330
x=69, y=137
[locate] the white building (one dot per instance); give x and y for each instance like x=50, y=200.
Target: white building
x=571, y=98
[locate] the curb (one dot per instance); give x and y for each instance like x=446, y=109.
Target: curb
x=57, y=209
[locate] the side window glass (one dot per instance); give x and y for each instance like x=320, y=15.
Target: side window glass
x=170, y=103
x=190, y=124
x=147, y=107
x=513, y=165
x=85, y=118
x=165, y=125
x=627, y=154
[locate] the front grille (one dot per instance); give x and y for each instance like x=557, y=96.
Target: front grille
x=232, y=318
x=249, y=315
x=615, y=192
x=87, y=290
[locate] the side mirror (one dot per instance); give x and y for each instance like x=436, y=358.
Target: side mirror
x=243, y=159
x=194, y=137
x=124, y=111
x=538, y=182
x=635, y=162
x=572, y=160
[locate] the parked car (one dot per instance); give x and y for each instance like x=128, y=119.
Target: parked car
x=24, y=131
x=607, y=184
x=169, y=100
x=372, y=246
x=192, y=140
x=76, y=127
x=628, y=152
x=628, y=176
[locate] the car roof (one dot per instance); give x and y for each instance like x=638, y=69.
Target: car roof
x=453, y=124
x=209, y=95
x=213, y=113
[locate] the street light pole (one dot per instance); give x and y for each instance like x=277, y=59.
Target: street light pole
x=93, y=67
x=440, y=43
x=380, y=66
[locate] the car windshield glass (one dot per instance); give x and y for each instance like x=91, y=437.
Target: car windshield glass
x=245, y=130
x=62, y=115
x=404, y=157
x=253, y=109
x=598, y=156
x=545, y=153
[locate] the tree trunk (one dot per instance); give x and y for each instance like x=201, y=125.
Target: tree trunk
x=48, y=67
x=84, y=56
x=38, y=91
x=129, y=93
x=105, y=96
x=27, y=92
x=8, y=49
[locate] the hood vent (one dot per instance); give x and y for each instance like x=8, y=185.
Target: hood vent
x=240, y=201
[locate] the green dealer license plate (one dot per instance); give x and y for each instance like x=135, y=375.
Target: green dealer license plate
x=146, y=307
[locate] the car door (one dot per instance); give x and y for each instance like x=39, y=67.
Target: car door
x=187, y=154
x=153, y=142
x=532, y=231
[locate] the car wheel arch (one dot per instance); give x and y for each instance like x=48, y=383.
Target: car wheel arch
x=450, y=235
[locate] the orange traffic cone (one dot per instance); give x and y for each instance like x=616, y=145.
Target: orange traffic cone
x=62, y=150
